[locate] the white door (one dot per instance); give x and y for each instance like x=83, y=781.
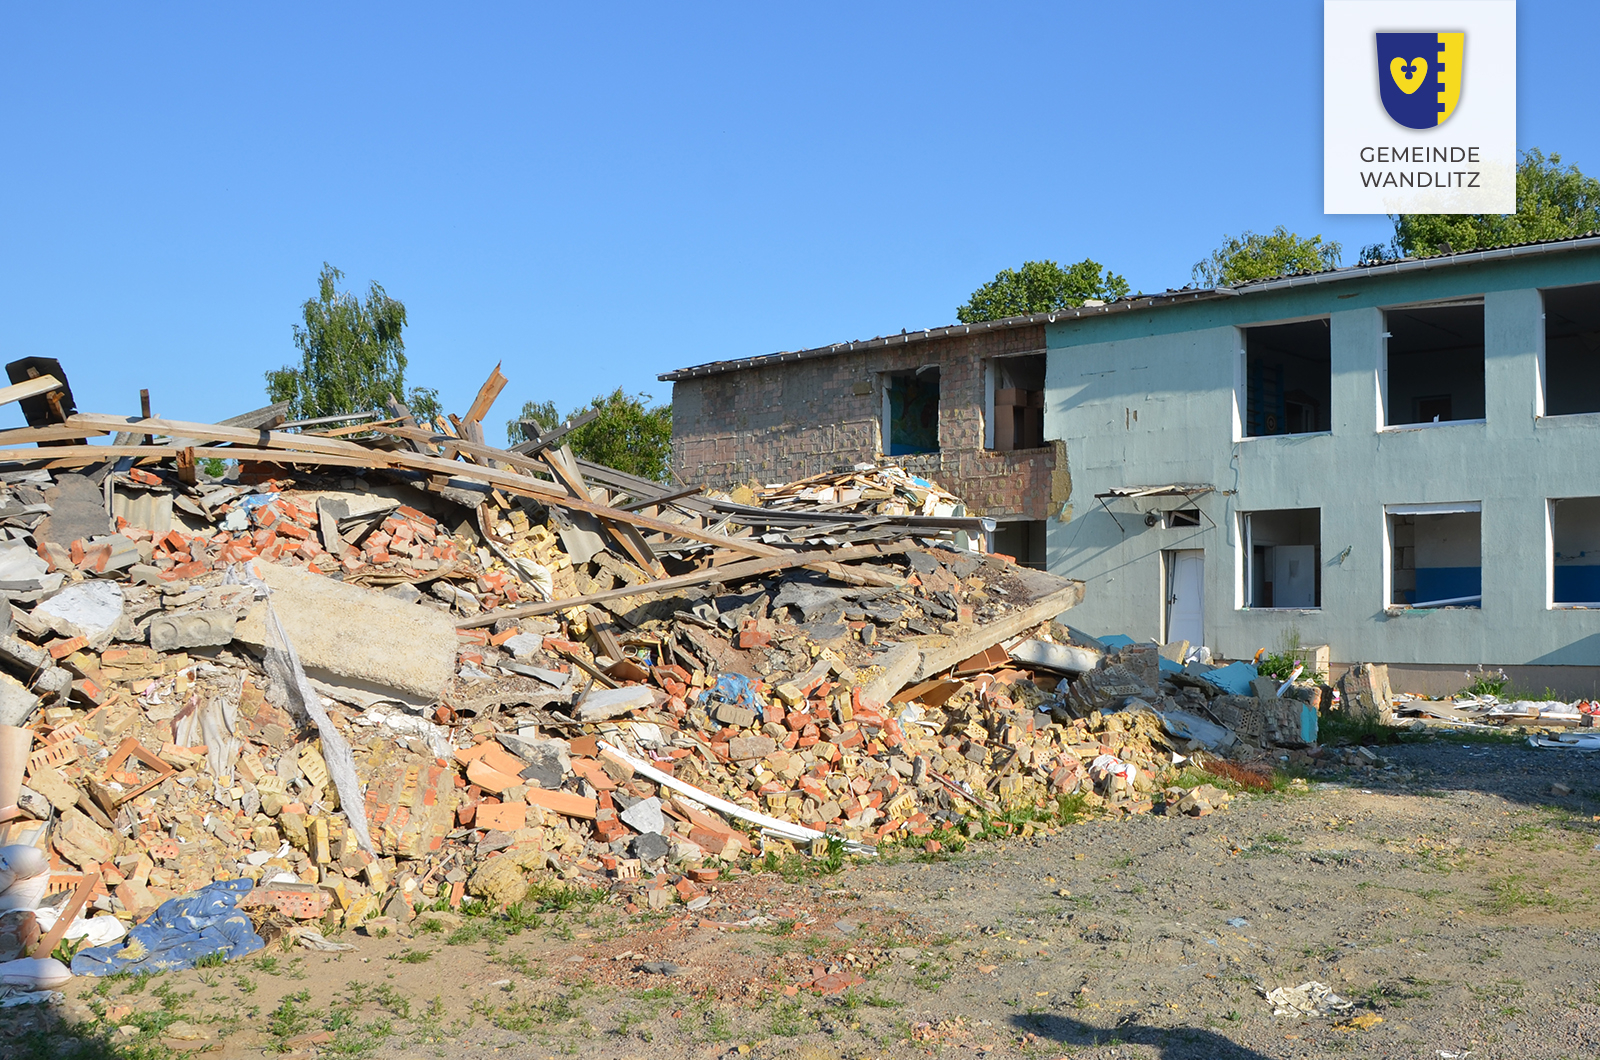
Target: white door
x=1294, y=576
x=1186, y=601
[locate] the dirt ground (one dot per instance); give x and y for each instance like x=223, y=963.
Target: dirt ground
x=1447, y=893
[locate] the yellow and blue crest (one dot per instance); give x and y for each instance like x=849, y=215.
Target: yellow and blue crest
x=1419, y=76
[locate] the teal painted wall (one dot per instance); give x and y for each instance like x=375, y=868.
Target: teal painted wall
x=1148, y=398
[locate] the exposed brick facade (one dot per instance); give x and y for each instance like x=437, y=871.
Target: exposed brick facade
x=785, y=421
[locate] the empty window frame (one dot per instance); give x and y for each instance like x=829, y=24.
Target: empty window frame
x=1283, y=558
x=1433, y=367
x=911, y=412
x=1575, y=552
x=1016, y=404
x=1436, y=555
x=1288, y=379
x=1183, y=518
x=1022, y=540
x=1572, y=350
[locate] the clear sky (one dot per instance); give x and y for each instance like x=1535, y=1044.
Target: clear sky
x=596, y=194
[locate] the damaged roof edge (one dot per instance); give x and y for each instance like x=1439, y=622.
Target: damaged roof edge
x=1168, y=298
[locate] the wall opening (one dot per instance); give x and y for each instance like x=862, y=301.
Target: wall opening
x=1016, y=411
x=1183, y=518
x=911, y=412
x=1434, y=367
x=1283, y=558
x=1022, y=540
x=1575, y=552
x=1288, y=379
x=1436, y=555
x=1572, y=350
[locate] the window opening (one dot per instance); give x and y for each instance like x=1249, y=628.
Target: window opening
x=1575, y=552
x=1435, y=364
x=1572, y=350
x=1288, y=379
x=1183, y=517
x=911, y=412
x=1283, y=565
x=1018, y=413
x=1021, y=539
x=1436, y=557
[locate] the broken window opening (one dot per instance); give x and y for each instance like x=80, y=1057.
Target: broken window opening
x=1288, y=379
x=1436, y=557
x=1572, y=350
x=1434, y=364
x=1021, y=539
x=1016, y=414
x=1182, y=518
x=1283, y=558
x=1575, y=552
x=911, y=412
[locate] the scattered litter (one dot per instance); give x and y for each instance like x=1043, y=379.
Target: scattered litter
x=1308, y=999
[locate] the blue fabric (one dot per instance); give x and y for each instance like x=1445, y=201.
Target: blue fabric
x=179, y=933
x=1167, y=666
x=734, y=688
x=1233, y=679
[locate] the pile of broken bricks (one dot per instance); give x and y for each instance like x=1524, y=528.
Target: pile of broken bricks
x=529, y=686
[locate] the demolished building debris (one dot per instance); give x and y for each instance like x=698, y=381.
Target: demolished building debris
x=364, y=671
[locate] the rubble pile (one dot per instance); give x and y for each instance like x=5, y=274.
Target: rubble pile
x=374, y=669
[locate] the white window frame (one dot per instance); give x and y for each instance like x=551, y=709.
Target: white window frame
x=1435, y=508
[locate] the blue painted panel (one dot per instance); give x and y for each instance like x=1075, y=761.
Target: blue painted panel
x=1446, y=583
x=1577, y=585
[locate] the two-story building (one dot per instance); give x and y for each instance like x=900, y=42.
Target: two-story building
x=1399, y=461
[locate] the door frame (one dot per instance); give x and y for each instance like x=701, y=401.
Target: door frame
x=1169, y=567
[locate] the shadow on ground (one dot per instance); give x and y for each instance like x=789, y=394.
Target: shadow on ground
x=1170, y=1043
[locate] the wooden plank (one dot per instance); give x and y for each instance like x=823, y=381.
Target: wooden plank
x=28, y=388
x=624, y=534
x=55, y=433
x=486, y=394
x=79, y=455
x=554, y=435
x=80, y=898
x=963, y=648
x=731, y=572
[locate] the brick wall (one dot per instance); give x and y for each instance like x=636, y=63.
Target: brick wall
x=788, y=421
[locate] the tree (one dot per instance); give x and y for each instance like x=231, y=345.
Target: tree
x=628, y=434
x=352, y=356
x=1253, y=256
x=1039, y=287
x=1553, y=202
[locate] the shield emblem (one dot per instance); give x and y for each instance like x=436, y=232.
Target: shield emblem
x=1419, y=76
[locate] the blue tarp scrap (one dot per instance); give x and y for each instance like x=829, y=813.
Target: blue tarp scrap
x=1117, y=640
x=734, y=688
x=180, y=932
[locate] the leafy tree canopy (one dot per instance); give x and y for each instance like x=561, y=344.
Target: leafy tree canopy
x=352, y=355
x=1039, y=287
x=1252, y=256
x=629, y=434
x=1553, y=202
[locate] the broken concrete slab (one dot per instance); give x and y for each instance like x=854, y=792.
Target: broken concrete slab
x=348, y=635
x=192, y=629
x=1062, y=658
x=1279, y=722
x=17, y=704
x=523, y=645
x=645, y=816
x=603, y=703
x=88, y=609
x=77, y=511
x=900, y=665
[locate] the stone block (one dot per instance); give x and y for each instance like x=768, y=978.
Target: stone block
x=89, y=609
x=1278, y=722
x=741, y=748
x=192, y=629
x=1365, y=694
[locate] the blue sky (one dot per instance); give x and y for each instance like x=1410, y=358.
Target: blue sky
x=594, y=196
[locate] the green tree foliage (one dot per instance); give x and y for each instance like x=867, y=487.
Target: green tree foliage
x=1252, y=256
x=1553, y=202
x=629, y=434
x=352, y=355
x=1039, y=287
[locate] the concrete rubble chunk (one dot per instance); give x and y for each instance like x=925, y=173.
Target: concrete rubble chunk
x=602, y=704
x=23, y=571
x=645, y=816
x=192, y=629
x=1062, y=658
x=346, y=634
x=17, y=704
x=523, y=645
x=88, y=609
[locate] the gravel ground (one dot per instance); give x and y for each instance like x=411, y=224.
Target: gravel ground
x=1446, y=893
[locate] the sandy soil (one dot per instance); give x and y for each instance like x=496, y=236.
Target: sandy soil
x=1447, y=894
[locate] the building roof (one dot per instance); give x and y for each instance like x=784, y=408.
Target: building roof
x=1179, y=296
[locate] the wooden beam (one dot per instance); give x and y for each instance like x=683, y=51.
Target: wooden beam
x=731, y=572
x=28, y=388
x=991, y=633
x=486, y=394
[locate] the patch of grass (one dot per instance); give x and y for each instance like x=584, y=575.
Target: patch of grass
x=788, y=1021
x=290, y=1018
x=1340, y=730
x=410, y=956
x=1511, y=894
